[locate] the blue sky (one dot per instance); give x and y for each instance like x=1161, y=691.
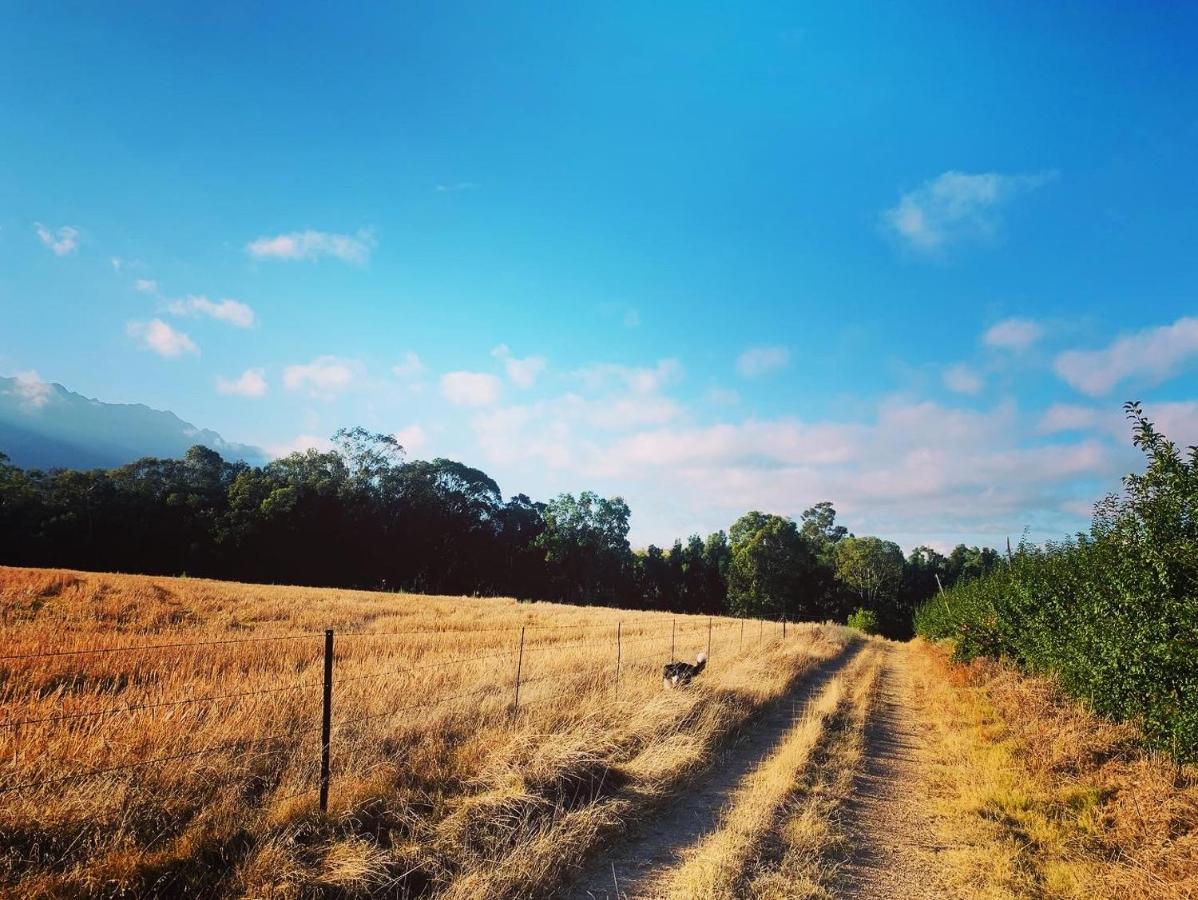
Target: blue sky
x=710, y=257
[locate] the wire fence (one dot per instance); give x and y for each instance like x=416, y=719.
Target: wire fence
x=519, y=656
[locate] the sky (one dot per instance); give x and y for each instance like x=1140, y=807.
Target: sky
x=710, y=257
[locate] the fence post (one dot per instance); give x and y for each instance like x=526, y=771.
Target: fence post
x=619, y=654
x=326, y=720
x=519, y=670
x=709, y=635
x=673, y=627
x=784, y=627
x=760, y=630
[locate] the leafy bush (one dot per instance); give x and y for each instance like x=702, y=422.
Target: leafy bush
x=1113, y=614
x=864, y=619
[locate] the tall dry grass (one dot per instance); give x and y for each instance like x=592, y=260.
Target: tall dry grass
x=1038, y=797
x=437, y=790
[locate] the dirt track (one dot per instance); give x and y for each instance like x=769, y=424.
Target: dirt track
x=887, y=848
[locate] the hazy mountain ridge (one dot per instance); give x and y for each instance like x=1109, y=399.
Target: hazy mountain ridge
x=47, y=426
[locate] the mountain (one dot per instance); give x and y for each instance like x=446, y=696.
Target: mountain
x=45, y=426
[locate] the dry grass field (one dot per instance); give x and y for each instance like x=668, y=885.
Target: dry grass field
x=162, y=737
x=193, y=769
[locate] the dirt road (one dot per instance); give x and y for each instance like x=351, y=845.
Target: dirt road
x=883, y=846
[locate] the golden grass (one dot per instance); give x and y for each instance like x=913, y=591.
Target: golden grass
x=1039, y=798
x=436, y=789
x=739, y=858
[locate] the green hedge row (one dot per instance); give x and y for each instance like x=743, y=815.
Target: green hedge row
x=1113, y=614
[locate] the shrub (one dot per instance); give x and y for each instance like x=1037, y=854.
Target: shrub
x=864, y=620
x=1113, y=614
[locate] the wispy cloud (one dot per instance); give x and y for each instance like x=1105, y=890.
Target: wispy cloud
x=632, y=318
x=30, y=390
x=961, y=379
x=762, y=360
x=470, y=388
x=300, y=444
x=232, y=311
x=157, y=336
x=954, y=207
x=61, y=241
x=251, y=383
x=638, y=379
x=522, y=372
x=456, y=187
x=323, y=378
x=413, y=438
x=1068, y=417
x=409, y=366
x=1152, y=354
x=1013, y=334
x=145, y=286
x=348, y=248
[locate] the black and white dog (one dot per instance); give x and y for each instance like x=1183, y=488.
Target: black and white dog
x=678, y=673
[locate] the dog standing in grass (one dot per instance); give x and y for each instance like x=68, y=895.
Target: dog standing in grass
x=679, y=673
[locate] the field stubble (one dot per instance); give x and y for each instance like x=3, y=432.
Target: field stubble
x=437, y=789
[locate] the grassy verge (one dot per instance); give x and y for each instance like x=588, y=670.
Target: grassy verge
x=1037, y=797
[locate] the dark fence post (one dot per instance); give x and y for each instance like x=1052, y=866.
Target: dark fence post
x=784, y=627
x=326, y=721
x=519, y=670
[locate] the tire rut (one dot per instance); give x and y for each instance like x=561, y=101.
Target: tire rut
x=886, y=820
x=658, y=844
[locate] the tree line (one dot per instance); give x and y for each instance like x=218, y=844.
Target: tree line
x=362, y=515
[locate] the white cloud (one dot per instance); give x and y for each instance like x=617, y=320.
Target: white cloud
x=1177, y=421
x=61, y=242
x=723, y=396
x=323, y=378
x=159, y=337
x=413, y=438
x=1153, y=355
x=409, y=366
x=955, y=206
x=470, y=388
x=301, y=444
x=313, y=245
x=1068, y=417
x=638, y=379
x=232, y=311
x=1013, y=334
x=29, y=388
x=961, y=379
x=251, y=383
x=146, y=286
x=762, y=360
x=117, y=262
x=522, y=372
x=456, y=187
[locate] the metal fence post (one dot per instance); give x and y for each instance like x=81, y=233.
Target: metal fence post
x=619, y=654
x=519, y=670
x=326, y=721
